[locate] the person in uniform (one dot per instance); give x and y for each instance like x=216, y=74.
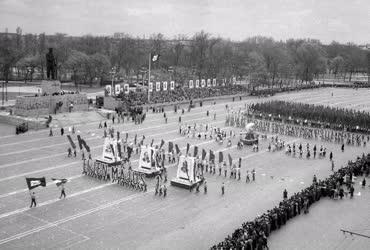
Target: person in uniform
x=33, y=199
x=62, y=192
x=223, y=188
x=205, y=187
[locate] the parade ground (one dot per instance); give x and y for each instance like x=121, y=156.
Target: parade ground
x=104, y=215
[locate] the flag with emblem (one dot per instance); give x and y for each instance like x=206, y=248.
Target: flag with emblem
x=35, y=182
x=59, y=182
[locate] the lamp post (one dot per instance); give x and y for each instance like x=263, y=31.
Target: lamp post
x=150, y=60
x=113, y=73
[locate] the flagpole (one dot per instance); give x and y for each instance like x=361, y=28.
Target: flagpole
x=150, y=58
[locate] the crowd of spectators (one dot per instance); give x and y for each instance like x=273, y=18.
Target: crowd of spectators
x=253, y=234
x=180, y=94
x=337, y=118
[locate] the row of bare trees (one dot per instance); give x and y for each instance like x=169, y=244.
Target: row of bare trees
x=259, y=59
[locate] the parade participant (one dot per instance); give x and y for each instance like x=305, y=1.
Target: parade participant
x=33, y=199
x=351, y=191
x=62, y=191
x=331, y=156
x=51, y=132
x=205, y=187
x=69, y=152
x=285, y=194
x=164, y=190
x=61, y=131
x=363, y=183
x=100, y=125
x=179, y=119
x=74, y=152
x=197, y=188
x=253, y=174
x=342, y=147
x=223, y=188
x=105, y=124
x=247, y=179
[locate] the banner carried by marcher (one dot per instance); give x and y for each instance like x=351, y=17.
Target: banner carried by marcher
x=214, y=82
x=35, y=182
x=197, y=83
x=150, y=87
x=165, y=86
x=158, y=86
x=73, y=145
x=59, y=182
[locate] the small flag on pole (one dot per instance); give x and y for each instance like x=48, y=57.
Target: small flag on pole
x=155, y=57
x=35, y=182
x=187, y=148
x=79, y=141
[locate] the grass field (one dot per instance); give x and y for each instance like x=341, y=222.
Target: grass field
x=101, y=215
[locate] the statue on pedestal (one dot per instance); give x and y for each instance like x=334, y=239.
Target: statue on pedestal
x=51, y=66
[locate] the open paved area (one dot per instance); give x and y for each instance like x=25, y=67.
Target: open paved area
x=102, y=215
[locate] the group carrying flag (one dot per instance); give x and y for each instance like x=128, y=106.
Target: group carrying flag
x=230, y=160
x=35, y=182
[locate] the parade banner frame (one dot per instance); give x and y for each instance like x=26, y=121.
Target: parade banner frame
x=151, y=87
x=191, y=84
x=197, y=83
x=164, y=84
x=147, y=161
x=203, y=83
x=117, y=89
x=234, y=80
x=172, y=85
x=209, y=83
x=214, y=82
x=108, y=88
x=126, y=88
x=187, y=173
x=158, y=86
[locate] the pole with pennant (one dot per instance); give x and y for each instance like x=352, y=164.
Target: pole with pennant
x=150, y=59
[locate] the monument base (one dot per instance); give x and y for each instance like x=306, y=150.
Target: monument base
x=177, y=182
x=148, y=172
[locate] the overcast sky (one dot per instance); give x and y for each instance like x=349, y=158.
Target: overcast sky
x=327, y=20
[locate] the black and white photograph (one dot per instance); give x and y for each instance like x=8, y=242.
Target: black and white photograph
x=185, y=125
